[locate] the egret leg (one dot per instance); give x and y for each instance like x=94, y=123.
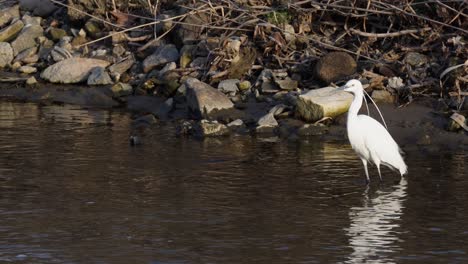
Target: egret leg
x=380, y=175
x=364, y=162
x=378, y=169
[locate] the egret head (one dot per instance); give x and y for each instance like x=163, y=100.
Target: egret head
x=353, y=86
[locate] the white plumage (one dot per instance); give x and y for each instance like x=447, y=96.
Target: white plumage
x=369, y=138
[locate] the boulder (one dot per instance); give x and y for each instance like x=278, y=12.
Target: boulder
x=6, y=54
x=73, y=70
x=335, y=66
x=162, y=55
x=99, y=76
x=324, y=102
x=26, y=38
x=10, y=32
x=202, y=99
x=8, y=14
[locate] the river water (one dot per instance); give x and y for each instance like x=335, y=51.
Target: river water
x=72, y=190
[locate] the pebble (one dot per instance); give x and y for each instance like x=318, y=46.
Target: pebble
x=27, y=69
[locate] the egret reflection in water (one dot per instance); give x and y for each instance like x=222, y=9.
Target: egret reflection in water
x=375, y=225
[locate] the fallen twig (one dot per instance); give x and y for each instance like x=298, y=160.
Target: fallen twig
x=388, y=35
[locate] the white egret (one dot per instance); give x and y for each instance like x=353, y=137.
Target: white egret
x=369, y=139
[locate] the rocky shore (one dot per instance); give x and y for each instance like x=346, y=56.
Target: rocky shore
x=273, y=76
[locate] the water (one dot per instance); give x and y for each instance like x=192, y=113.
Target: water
x=72, y=190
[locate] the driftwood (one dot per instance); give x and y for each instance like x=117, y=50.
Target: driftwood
x=324, y=102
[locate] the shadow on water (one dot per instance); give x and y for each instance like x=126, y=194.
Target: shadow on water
x=72, y=190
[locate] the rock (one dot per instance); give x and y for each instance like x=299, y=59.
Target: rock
x=99, y=76
x=25, y=54
x=92, y=28
x=229, y=86
x=57, y=33
x=278, y=109
x=312, y=130
x=15, y=66
x=335, y=66
x=8, y=14
x=73, y=70
x=266, y=124
x=236, y=123
x=166, y=69
x=416, y=59
x=26, y=38
x=192, y=29
x=27, y=69
x=206, y=128
x=383, y=96
x=199, y=62
x=324, y=102
x=29, y=20
x=41, y=8
x=289, y=33
x=186, y=55
x=244, y=85
x=11, y=31
x=6, y=54
x=122, y=66
x=395, y=83
x=287, y=84
x=122, y=89
x=202, y=99
x=162, y=55
x=31, y=80
x=118, y=50
x=60, y=54
x=78, y=9
x=31, y=59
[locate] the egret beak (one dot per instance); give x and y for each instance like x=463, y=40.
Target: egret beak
x=340, y=89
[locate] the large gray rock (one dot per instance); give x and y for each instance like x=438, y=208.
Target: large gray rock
x=38, y=7
x=324, y=102
x=73, y=70
x=335, y=66
x=203, y=99
x=6, y=54
x=8, y=14
x=10, y=32
x=162, y=55
x=27, y=38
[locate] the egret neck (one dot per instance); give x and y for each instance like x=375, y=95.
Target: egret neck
x=355, y=105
